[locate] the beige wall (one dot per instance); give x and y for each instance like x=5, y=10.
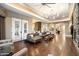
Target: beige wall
x=67, y=26
x=8, y=21
x=44, y=26
x=30, y=26
x=2, y=12
x=8, y=27
x=22, y=17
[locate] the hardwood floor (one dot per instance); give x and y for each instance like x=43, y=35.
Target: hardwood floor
x=56, y=47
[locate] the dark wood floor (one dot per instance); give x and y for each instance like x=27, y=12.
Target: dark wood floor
x=56, y=47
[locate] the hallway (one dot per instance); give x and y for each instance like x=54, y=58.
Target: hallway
x=41, y=28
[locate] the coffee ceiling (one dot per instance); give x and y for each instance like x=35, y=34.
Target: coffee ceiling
x=51, y=11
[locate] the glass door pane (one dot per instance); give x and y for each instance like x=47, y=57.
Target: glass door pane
x=24, y=29
x=16, y=29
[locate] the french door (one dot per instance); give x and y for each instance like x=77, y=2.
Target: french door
x=24, y=29
x=16, y=29
x=19, y=29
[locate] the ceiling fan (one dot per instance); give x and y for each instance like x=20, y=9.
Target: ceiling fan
x=46, y=4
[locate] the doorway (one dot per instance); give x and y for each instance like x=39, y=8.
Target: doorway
x=2, y=28
x=19, y=29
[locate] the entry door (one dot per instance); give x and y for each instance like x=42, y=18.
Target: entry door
x=2, y=28
x=16, y=29
x=24, y=29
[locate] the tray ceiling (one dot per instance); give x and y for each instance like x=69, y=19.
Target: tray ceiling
x=50, y=11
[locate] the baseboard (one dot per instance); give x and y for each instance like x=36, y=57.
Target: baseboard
x=18, y=40
x=68, y=35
